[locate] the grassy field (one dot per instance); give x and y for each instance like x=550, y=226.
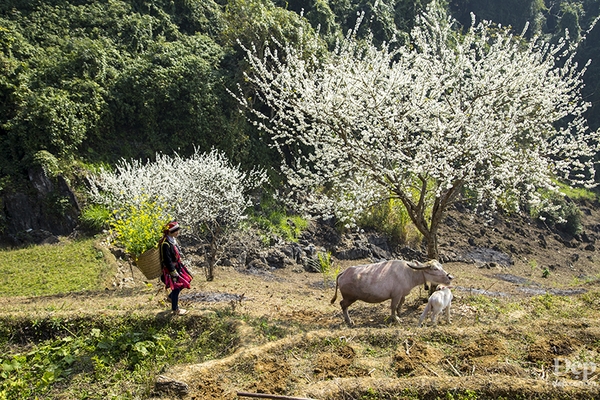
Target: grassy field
x=84, y=338
x=70, y=266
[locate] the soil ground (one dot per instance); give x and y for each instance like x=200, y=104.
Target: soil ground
x=524, y=323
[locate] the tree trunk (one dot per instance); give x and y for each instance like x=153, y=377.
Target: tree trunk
x=212, y=255
x=416, y=212
x=432, y=247
x=213, y=250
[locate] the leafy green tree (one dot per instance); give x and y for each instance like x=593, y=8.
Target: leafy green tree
x=169, y=98
x=258, y=21
x=14, y=50
x=514, y=13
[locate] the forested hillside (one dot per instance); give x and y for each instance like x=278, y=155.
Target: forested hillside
x=89, y=82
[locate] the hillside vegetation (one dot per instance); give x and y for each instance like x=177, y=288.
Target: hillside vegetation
x=89, y=82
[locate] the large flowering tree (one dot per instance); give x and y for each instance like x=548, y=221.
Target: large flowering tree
x=484, y=112
x=205, y=193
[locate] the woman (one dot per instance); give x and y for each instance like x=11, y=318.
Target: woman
x=175, y=275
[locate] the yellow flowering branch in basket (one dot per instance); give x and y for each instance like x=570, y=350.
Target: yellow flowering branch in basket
x=138, y=227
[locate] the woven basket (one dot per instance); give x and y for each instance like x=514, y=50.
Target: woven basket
x=149, y=263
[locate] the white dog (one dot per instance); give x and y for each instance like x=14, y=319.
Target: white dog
x=439, y=301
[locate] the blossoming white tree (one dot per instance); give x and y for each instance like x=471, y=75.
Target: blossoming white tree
x=484, y=113
x=205, y=192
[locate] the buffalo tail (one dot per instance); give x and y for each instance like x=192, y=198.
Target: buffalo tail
x=336, y=289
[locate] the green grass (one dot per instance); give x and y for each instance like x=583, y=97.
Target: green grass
x=577, y=193
x=278, y=224
x=69, y=266
x=104, y=358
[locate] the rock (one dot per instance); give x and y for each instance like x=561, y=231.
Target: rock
x=486, y=255
x=226, y=262
x=310, y=250
x=379, y=254
x=241, y=258
x=408, y=253
x=312, y=264
x=354, y=253
x=47, y=204
x=118, y=252
x=448, y=256
x=169, y=385
x=294, y=252
x=542, y=241
x=276, y=259
x=257, y=264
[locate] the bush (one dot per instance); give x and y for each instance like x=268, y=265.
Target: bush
x=391, y=219
x=562, y=214
x=273, y=220
x=96, y=217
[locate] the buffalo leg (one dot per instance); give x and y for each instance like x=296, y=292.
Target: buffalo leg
x=396, y=305
x=345, y=304
x=434, y=317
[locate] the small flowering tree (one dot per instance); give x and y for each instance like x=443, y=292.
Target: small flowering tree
x=485, y=113
x=204, y=192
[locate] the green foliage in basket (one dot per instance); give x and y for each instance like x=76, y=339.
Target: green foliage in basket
x=138, y=227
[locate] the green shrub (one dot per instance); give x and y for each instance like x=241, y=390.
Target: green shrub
x=391, y=219
x=96, y=217
x=273, y=220
x=328, y=271
x=48, y=162
x=561, y=214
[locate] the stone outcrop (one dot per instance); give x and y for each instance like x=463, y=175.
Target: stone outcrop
x=47, y=207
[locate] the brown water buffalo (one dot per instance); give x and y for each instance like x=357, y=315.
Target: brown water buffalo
x=394, y=279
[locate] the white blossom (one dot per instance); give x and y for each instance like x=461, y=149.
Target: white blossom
x=484, y=111
x=204, y=191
